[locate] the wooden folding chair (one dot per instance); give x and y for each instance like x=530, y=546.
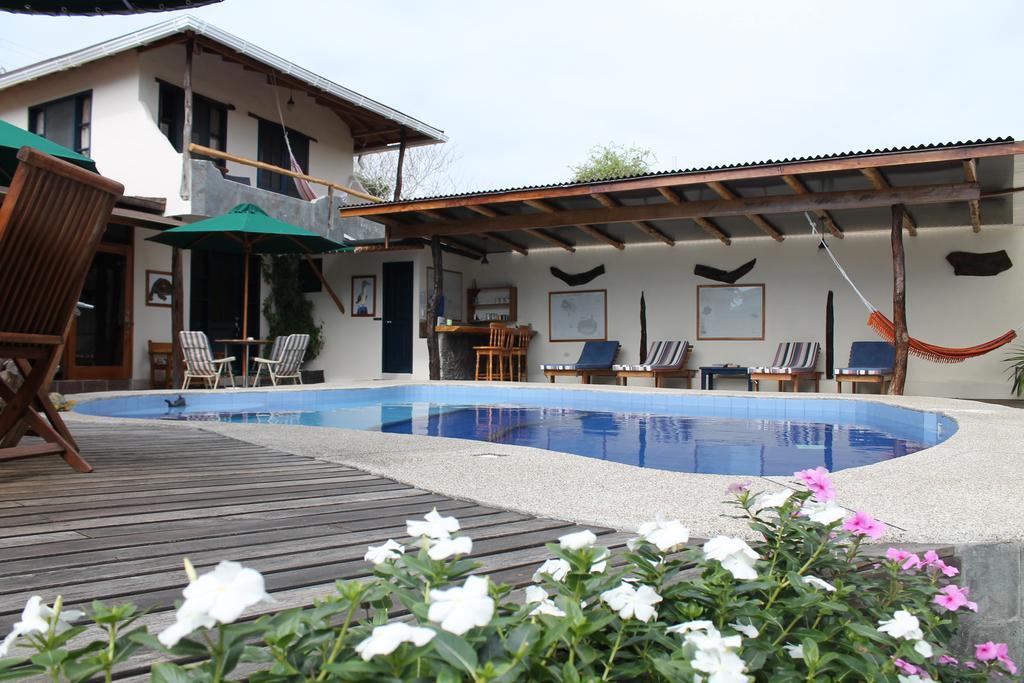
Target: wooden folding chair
x=50, y=225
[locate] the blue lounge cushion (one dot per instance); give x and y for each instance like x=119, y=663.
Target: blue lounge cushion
x=597, y=355
x=872, y=355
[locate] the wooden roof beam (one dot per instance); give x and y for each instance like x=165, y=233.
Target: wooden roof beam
x=608, y=201
x=548, y=237
x=798, y=186
x=459, y=245
x=588, y=229
x=879, y=182
x=757, y=219
x=974, y=206
x=846, y=199
x=518, y=248
x=703, y=223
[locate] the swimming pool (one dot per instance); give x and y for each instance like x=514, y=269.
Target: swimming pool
x=704, y=433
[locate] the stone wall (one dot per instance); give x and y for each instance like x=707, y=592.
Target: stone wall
x=993, y=572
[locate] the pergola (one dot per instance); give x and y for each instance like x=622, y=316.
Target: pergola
x=904, y=190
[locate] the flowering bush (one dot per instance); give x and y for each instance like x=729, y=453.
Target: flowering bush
x=802, y=603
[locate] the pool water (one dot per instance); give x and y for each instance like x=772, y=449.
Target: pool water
x=707, y=432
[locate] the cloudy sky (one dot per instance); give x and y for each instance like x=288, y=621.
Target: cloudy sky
x=524, y=89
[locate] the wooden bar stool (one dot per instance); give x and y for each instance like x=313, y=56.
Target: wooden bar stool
x=520, y=344
x=498, y=347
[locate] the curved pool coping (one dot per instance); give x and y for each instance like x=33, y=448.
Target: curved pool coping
x=962, y=490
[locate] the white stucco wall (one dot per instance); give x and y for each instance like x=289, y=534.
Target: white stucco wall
x=151, y=322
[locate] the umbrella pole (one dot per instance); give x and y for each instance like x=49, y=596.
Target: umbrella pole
x=245, y=294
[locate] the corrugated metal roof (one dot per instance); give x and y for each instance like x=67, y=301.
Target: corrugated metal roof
x=706, y=169
x=189, y=23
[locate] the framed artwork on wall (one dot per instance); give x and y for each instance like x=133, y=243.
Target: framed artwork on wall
x=730, y=312
x=364, y=296
x=580, y=315
x=159, y=288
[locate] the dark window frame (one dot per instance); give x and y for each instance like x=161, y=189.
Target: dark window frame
x=275, y=182
x=173, y=117
x=82, y=118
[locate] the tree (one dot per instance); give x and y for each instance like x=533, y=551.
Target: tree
x=426, y=171
x=613, y=161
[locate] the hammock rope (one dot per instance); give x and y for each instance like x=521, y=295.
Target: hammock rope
x=886, y=329
x=305, y=190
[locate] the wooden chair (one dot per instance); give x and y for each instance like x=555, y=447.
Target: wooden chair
x=499, y=347
x=285, y=359
x=520, y=345
x=199, y=360
x=664, y=360
x=794, y=361
x=50, y=225
x=595, y=360
x=871, y=362
x=159, y=365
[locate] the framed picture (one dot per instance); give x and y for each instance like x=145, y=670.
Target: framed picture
x=159, y=288
x=580, y=315
x=730, y=312
x=453, y=294
x=364, y=296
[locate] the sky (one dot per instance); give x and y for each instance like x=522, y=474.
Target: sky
x=526, y=89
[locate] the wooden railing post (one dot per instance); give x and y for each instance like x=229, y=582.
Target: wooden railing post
x=901, y=337
x=436, y=292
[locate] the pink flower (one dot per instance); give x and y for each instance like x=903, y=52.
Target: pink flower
x=932, y=559
x=946, y=659
x=818, y=483
x=863, y=524
x=988, y=651
x=970, y=664
x=953, y=598
x=896, y=555
x=738, y=487
x=906, y=667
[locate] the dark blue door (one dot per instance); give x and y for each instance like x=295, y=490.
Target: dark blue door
x=396, y=339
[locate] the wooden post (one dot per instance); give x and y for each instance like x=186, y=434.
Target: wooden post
x=186, y=129
x=330, y=210
x=436, y=292
x=401, y=164
x=899, y=304
x=177, y=317
x=247, y=254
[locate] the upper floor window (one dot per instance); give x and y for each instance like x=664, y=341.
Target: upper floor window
x=271, y=149
x=67, y=121
x=209, y=119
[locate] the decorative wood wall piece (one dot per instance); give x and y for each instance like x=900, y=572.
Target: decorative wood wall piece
x=830, y=337
x=579, y=278
x=643, y=328
x=979, y=265
x=727, y=276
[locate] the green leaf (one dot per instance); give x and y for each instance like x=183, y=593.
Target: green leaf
x=455, y=650
x=166, y=672
x=869, y=632
x=17, y=673
x=569, y=674
x=49, y=658
x=522, y=638
x=811, y=654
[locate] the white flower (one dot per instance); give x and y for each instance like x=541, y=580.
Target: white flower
x=578, y=540
x=385, y=639
x=665, y=535
x=749, y=630
x=378, y=554
x=911, y=679
x=461, y=608
x=545, y=605
x=687, y=626
x=432, y=525
x=924, y=648
x=819, y=583
x=722, y=666
x=218, y=596
x=770, y=500
x=822, y=513
x=795, y=651
x=632, y=602
x=554, y=568
x=902, y=625
x=735, y=555
x=711, y=640
x=35, y=618
x=601, y=564
x=445, y=548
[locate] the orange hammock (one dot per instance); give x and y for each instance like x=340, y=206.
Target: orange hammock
x=938, y=354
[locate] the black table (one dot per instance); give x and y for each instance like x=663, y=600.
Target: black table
x=709, y=372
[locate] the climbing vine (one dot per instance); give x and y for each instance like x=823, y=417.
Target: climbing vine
x=286, y=308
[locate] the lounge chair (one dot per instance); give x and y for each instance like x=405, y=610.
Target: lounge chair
x=870, y=361
x=285, y=359
x=665, y=359
x=596, y=360
x=50, y=225
x=794, y=361
x=199, y=360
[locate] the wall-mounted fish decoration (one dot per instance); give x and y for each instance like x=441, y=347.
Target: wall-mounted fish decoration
x=579, y=278
x=728, y=276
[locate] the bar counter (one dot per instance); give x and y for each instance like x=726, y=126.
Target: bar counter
x=455, y=343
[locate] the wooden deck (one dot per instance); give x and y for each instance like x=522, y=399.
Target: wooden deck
x=161, y=493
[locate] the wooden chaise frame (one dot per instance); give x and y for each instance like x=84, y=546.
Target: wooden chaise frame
x=51, y=222
x=682, y=372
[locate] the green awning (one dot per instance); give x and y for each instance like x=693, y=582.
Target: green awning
x=13, y=138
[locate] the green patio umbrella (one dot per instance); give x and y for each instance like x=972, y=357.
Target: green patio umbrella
x=13, y=138
x=246, y=229
x=98, y=7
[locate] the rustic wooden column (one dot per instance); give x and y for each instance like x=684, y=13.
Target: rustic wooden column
x=177, y=317
x=899, y=304
x=186, y=132
x=436, y=292
x=401, y=164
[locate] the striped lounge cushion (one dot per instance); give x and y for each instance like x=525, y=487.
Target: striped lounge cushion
x=661, y=356
x=558, y=366
x=863, y=371
x=791, y=357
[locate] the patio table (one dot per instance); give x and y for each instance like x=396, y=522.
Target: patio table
x=709, y=372
x=245, y=344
